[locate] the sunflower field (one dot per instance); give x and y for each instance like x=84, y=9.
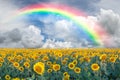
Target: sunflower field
x=59, y=64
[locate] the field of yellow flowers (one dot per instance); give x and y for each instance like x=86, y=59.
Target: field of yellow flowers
x=59, y=64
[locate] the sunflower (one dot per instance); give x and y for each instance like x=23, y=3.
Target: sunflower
x=39, y=68
x=16, y=79
x=49, y=63
x=21, y=69
x=9, y=58
x=12, y=60
x=65, y=73
x=67, y=77
x=64, y=62
x=19, y=57
x=81, y=60
x=49, y=70
x=75, y=56
x=26, y=64
x=77, y=70
x=7, y=77
x=56, y=67
x=45, y=58
x=95, y=67
x=1, y=59
x=60, y=54
x=112, y=59
x=71, y=65
x=75, y=62
x=35, y=57
x=103, y=57
x=87, y=59
x=16, y=64
x=66, y=59
x=116, y=56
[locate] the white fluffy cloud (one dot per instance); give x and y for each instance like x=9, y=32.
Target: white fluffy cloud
x=32, y=37
x=56, y=44
x=60, y=29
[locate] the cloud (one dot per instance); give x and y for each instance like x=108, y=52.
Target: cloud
x=85, y=5
x=2, y=38
x=62, y=29
x=14, y=35
x=20, y=34
x=110, y=21
x=113, y=5
x=56, y=44
x=7, y=12
x=32, y=37
x=16, y=32
x=68, y=32
x=55, y=33
x=10, y=39
x=29, y=37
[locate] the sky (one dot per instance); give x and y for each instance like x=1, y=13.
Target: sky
x=50, y=31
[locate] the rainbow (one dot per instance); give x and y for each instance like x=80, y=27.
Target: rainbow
x=95, y=34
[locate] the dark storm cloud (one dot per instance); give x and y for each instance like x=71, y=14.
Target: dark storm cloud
x=15, y=35
x=85, y=5
x=2, y=38
x=29, y=37
x=12, y=36
x=22, y=3
x=110, y=21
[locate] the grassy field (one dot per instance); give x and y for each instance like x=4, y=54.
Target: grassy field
x=59, y=64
